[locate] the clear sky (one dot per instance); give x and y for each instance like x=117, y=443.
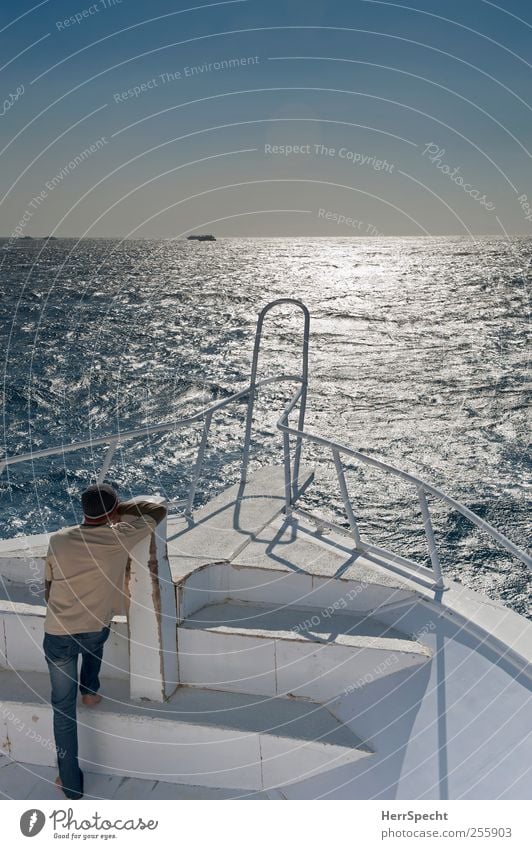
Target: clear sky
x=265, y=118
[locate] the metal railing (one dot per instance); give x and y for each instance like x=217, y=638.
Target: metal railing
x=206, y=415
x=115, y=440
x=422, y=487
x=301, y=395
x=431, y=577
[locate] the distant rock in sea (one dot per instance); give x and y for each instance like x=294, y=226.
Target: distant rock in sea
x=202, y=238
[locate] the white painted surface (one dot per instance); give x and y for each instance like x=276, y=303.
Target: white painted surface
x=321, y=673
x=280, y=754
x=263, y=649
x=166, y=613
x=457, y=727
x=228, y=522
x=22, y=634
x=151, y=619
x=269, y=587
x=268, y=584
x=22, y=568
x=170, y=751
x=27, y=781
x=231, y=662
x=204, y=738
x=202, y=587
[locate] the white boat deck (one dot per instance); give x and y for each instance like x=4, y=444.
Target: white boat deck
x=387, y=691
x=28, y=781
x=270, y=621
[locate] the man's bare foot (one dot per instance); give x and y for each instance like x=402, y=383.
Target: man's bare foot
x=91, y=699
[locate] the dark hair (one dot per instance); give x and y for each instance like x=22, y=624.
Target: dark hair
x=99, y=500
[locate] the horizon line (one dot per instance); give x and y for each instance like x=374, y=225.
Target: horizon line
x=309, y=236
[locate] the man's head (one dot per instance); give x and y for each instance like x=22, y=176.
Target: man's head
x=100, y=504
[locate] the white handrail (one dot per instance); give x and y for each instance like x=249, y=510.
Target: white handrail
x=302, y=394
x=422, y=487
x=115, y=439
x=121, y=436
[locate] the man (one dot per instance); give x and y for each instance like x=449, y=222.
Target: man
x=84, y=589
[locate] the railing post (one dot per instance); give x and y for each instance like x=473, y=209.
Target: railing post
x=107, y=460
x=345, y=498
x=302, y=406
x=247, y=435
x=287, y=472
x=253, y=384
x=198, y=465
x=429, y=533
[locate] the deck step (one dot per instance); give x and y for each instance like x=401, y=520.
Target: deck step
x=271, y=581
x=200, y=737
x=279, y=651
x=27, y=781
x=22, y=632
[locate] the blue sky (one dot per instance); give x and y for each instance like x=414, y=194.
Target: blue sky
x=266, y=118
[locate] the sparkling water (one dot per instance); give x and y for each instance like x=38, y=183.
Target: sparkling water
x=418, y=355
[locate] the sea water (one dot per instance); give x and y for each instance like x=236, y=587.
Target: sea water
x=418, y=356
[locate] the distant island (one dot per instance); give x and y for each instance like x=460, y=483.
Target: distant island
x=202, y=238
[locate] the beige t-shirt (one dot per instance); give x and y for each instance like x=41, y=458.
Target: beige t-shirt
x=87, y=565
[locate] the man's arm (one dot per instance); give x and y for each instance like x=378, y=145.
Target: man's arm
x=47, y=577
x=142, y=508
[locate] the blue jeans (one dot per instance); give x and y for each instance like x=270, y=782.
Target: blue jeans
x=61, y=653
